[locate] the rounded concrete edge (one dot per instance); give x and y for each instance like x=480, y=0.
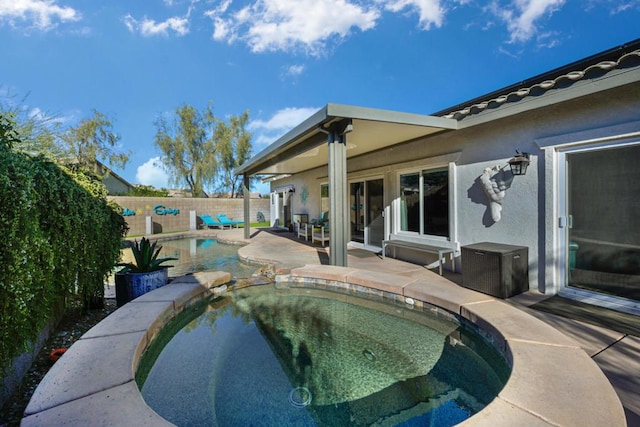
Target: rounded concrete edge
x=137, y=413
x=535, y=405
x=571, y=389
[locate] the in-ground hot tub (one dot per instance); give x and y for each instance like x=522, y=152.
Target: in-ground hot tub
x=291, y=357
x=553, y=381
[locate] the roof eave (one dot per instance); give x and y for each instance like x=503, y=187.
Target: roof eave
x=310, y=130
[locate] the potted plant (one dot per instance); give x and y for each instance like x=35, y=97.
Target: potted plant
x=146, y=273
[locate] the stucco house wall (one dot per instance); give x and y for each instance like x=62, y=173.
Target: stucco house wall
x=529, y=204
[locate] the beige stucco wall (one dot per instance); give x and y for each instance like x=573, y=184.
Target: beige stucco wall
x=144, y=206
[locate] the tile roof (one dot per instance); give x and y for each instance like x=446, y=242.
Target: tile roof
x=593, y=67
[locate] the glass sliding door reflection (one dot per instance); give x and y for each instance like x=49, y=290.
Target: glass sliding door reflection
x=375, y=209
x=356, y=211
x=603, y=238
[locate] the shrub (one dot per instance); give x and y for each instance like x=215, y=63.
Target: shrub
x=61, y=240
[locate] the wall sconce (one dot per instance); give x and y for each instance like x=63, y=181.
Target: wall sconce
x=519, y=163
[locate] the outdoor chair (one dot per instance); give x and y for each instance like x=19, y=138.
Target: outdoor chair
x=320, y=234
x=322, y=221
x=304, y=230
x=209, y=222
x=225, y=220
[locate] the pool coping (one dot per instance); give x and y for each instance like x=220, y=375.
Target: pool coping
x=553, y=381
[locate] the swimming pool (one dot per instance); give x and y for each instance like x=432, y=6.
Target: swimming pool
x=301, y=356
x=201, y=254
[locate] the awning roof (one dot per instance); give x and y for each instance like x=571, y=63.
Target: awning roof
x=305, y=146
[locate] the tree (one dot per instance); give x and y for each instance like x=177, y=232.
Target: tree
x=37, y=132
x=94, y=139
x=8, y=135
x=189, y=148
x=148, y=191
x=42, y=133
x=234, y=148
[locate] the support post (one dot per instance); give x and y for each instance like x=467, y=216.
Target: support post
x=246, y=205
x=338, y=195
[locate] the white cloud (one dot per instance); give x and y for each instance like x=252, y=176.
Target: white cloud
x=149, y=27
x=431, y=12
x=281, y=25
x=152, y=173
x=286, y=119
x=292, y=72
x=521, y=16
x=40, y=14
x=624, y=6
x=267, y=131
x=177, y=2
x=44, y=117
x=295, y=70
x=37, y=113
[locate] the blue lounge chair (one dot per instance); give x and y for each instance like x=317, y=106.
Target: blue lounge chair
x=209, y=222
x=225, y=220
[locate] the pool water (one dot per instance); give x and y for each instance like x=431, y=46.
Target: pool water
x=305, y=357
x=197, y=254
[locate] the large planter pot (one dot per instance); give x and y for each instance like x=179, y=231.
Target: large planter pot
x=130, y=286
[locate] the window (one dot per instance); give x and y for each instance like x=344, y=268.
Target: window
x=424, y=202
x=410, y=202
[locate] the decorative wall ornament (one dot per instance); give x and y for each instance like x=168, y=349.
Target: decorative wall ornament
x=163, y=210
x=304, y=195
x=494, y=186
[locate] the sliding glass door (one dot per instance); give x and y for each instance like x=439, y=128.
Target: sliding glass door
x=375, y=212
x=602, y=221
x=366, y=212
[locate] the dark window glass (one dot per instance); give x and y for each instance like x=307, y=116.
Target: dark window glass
x=410, y=202
x=435, y=196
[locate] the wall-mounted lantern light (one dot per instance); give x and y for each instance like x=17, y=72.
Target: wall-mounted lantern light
x=519, y=163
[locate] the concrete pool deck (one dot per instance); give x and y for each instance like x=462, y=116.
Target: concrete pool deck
x=554, y=381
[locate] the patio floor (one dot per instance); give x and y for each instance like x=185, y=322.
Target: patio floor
x=616, y=353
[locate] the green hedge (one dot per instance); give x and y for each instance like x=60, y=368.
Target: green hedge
x=61, y=238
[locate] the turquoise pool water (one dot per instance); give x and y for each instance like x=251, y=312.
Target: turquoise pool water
x=196, y=254
x=304, y=357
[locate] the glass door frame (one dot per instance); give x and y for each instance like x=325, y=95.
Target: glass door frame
x=564, y=223
x=367, y=244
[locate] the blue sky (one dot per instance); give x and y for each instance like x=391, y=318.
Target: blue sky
x=283, y=59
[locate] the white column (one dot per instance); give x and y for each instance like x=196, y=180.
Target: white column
x=193, y=225
x=148, y=225
x=338, y=194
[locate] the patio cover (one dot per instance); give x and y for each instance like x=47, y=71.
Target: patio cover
x=330, y=137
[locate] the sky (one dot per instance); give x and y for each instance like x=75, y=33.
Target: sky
x=282, y=60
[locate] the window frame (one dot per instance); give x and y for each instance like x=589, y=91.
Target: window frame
x=452, y=213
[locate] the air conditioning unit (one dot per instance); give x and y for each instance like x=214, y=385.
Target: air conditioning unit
x=496, y=269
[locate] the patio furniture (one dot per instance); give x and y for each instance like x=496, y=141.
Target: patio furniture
x=495, y=269
x=441, y=251
x=225, y=220
x=322, y=221
x=209, y=222
x=320, y=234
x=304, y=230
